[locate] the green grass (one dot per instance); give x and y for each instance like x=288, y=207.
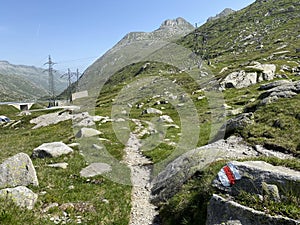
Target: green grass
x=56, y=183
x=189, y=206
x=276, y=126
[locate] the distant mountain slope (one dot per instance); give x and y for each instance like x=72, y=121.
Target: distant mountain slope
x=133, y=48
x=20, y=83
x=224, y=13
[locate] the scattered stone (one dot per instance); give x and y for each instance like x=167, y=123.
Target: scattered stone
x=152, y=111
x=201, y=97
x=234, y=112
x=105, y=201
x=59, y=165
x=72, y=145
x=78, y=207
x=87, y=132
x=18, y=171
x=49, y=206
x=165, y=119
x=95, y=169
x=52, y=150
x=21, y=196
x=86, y=122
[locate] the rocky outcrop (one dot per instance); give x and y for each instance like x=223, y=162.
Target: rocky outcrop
x=258, y=178
x=52, y=150
x=21, y=196
x=280, y=90
x=251, y=75
x=224, y=211
x=95, y=169
x=170, y=180
x=18, y=171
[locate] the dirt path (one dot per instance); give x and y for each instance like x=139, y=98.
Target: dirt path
x=142, y=211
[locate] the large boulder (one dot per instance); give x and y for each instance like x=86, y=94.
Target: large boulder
x=21, y=196
x=264, y=71
x=170, y=180
x=239, y=79
x=52, y=150
x=87, y=132
x=251, y=75
x=256, y=174
x=18, y=171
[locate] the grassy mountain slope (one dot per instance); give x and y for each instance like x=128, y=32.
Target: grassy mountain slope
x=233, y=42
x=21, y=83
x=265, y=31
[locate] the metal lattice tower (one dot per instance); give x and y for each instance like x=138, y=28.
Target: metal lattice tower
x=51, y=80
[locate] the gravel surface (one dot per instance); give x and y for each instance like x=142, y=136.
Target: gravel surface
x=142, y=211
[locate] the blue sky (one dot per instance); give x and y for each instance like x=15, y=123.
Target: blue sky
x=76, y=32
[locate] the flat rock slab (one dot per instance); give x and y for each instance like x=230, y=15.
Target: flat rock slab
x=52, y=150
x=87, y=132
x=95, y=169
x=221, y=210
x=18, y=171
x=21, y=196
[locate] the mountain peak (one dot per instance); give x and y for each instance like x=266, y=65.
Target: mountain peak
x=224, y=13
x=178, y=22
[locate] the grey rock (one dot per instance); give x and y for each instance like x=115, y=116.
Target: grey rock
x=165, y=118
x=21, y=196
x=274, y=84
x=152, y=111
x=255, y=174
x=271, y=192
x=18, y=171
x=239, y=79
x=287, y=90
x=87, y=132
x=59, y=165
x=95, y=169
x=267, y=71
x=221, y=211
x=236, y=123
x=52, y=150
x=169, y=181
